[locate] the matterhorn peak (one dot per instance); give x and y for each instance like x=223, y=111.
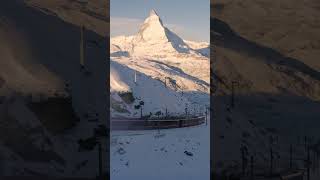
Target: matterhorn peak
x=153, y=13
x=153, y=31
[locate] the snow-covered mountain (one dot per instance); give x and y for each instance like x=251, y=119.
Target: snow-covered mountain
x=159, y=68
x=154, y=38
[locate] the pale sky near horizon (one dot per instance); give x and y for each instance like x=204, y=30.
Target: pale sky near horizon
x=190, y=19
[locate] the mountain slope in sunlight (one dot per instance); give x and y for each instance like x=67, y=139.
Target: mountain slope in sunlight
x=161, y=68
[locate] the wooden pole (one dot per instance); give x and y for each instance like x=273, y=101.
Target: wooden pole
x=165, y=81
x=308, y=163
x=305, y=143
x=186, y=110
x=206, y=116
x=100, y=159
x=232, y=95
x=243, y=160
x=291, y=151
x=166, y=113
x=271, y=161
x=82, y=47
x=251, y=168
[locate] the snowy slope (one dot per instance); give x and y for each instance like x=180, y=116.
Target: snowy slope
x=154, y=94
x=161, y=154
x=160, y=68
x=167, y=73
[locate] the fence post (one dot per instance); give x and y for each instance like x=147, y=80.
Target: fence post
x=243, y=159
x=232, y=94
x=305, y=143
x=251, y=168
x=166, y=113
x=135, y=76
x=82, y=47
x=100, y=158
x=291, y=151
x=206, y=116
x=271, y=161
x=308, y=163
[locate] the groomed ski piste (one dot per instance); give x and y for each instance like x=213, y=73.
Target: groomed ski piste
x=170, y=76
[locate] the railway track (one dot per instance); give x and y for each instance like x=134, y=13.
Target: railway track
x=141, y=124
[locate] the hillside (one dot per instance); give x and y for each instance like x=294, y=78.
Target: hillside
x=47, y=101
x=271, y=60
x=291, y=29
x=93, y=14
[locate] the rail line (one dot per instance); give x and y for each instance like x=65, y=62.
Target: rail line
x=141, y=124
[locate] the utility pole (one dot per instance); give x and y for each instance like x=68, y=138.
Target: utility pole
x=82, y=47
x=271, y=161
x=251, y=168
x=291, y=151
x=135, y=77
x=308, y=163
x=206, y=116
x=141, y=103
x=166, y=113
x=186, y=110
x=232, y=93
x=165, y=82
x=100, y=158
x=244, y=160
x=305, y=143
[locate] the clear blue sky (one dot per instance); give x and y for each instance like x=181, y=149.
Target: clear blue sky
x=190, y=19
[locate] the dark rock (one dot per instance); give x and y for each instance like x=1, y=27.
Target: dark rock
x=188, y=153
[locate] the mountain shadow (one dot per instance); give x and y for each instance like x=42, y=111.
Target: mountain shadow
x=223, y=35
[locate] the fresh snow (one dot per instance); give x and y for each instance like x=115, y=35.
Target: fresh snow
x=161, y=154
x=167, y=73
x=159, y=68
